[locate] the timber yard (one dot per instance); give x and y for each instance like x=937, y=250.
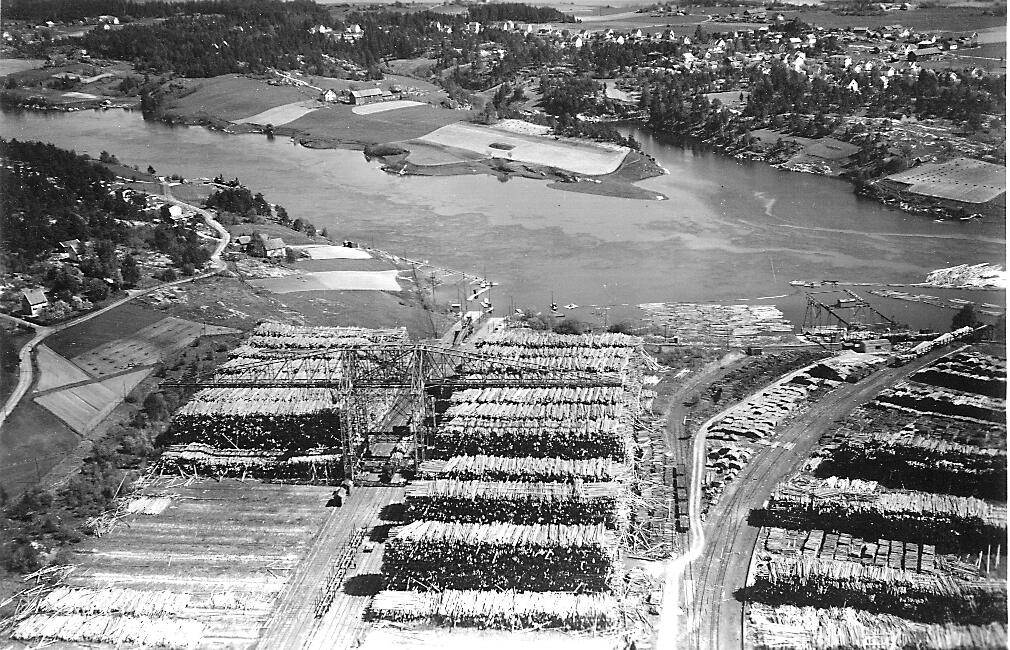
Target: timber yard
x=713, y=479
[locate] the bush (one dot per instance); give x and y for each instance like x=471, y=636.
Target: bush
x=19, y=556
x=571, y=326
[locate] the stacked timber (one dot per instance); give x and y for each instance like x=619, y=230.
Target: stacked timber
x=505, y=610
x=505, y=468
x=321, y=465
x=570, y=439
x=267, y=418
x=967, y=371
x=944, y=401
x=926, y=597
x=518, y=502
x=82, y=600
x=864, y=508
x=807, y=628
x=302, y=337
x=430, y=555
x=119, y=631
x=916, y=459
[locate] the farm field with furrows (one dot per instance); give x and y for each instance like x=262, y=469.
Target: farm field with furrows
x=894, y=532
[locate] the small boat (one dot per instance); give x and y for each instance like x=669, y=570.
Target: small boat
x=571, y=305
x=961, y=301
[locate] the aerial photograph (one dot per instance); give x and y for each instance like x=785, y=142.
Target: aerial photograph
x=486, y=324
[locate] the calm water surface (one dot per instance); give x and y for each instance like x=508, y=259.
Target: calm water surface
x=729, y=230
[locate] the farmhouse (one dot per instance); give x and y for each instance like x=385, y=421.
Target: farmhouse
x=328, y=95
x=33, y=301
x=263, y=246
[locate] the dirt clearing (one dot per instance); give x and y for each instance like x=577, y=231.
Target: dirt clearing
x=324, y=252
x=332, y=281
x=370, y=109
x=281, y=114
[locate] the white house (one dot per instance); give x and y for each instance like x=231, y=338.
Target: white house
x=33, y=301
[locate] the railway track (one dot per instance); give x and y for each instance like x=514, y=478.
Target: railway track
x=719, y=559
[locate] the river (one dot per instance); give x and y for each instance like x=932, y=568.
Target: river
x=729, y=230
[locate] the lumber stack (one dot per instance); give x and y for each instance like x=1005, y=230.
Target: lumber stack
x=944, y=401
x=505, y=610
x=435, y=555
x=864, y=508
x=967, y=371
x=917, y=459
x=316, y=465
x=146, y=631
x=807, y=628
x=505, y=468
x=930, y=598
x=518, y=502
x=301, y=337
x=265, y=418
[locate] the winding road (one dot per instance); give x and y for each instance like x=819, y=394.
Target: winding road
x=26, y=371
x=700, y=608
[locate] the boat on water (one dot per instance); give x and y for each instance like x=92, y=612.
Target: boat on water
x=961, y=301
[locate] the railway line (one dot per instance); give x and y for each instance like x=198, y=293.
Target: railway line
x=702, y=584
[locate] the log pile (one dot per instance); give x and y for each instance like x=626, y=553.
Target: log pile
x=569, y=439
x=967, y=371
x=915, y=459
x=322, y=465
x=81, y=600
x=264, y=418
x=116, y=630
x=300, y=337
x=930, y=598
x=808, y=628
x=943, y=401
x=518, y=502
x=434, y=555
x=505, y=468
x=864, y=508
x=506, y=610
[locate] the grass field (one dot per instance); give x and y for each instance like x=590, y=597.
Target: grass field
x=56, y=371
x=233, y=97
x=32, y=440
x=326, y=252
x=952, y=19
x=337, y=124
x=271, y=230
x=145, y=347
x=83, y=407
x=110, y=326
x=573, y=155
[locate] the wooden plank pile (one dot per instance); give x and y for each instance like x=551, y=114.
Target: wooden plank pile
x=431, y=554
x=505, y=468
x=818, y=544
x=519, y=502
x=591, y=353
x=506, y=610
x=807, y=628
x=864, y=508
